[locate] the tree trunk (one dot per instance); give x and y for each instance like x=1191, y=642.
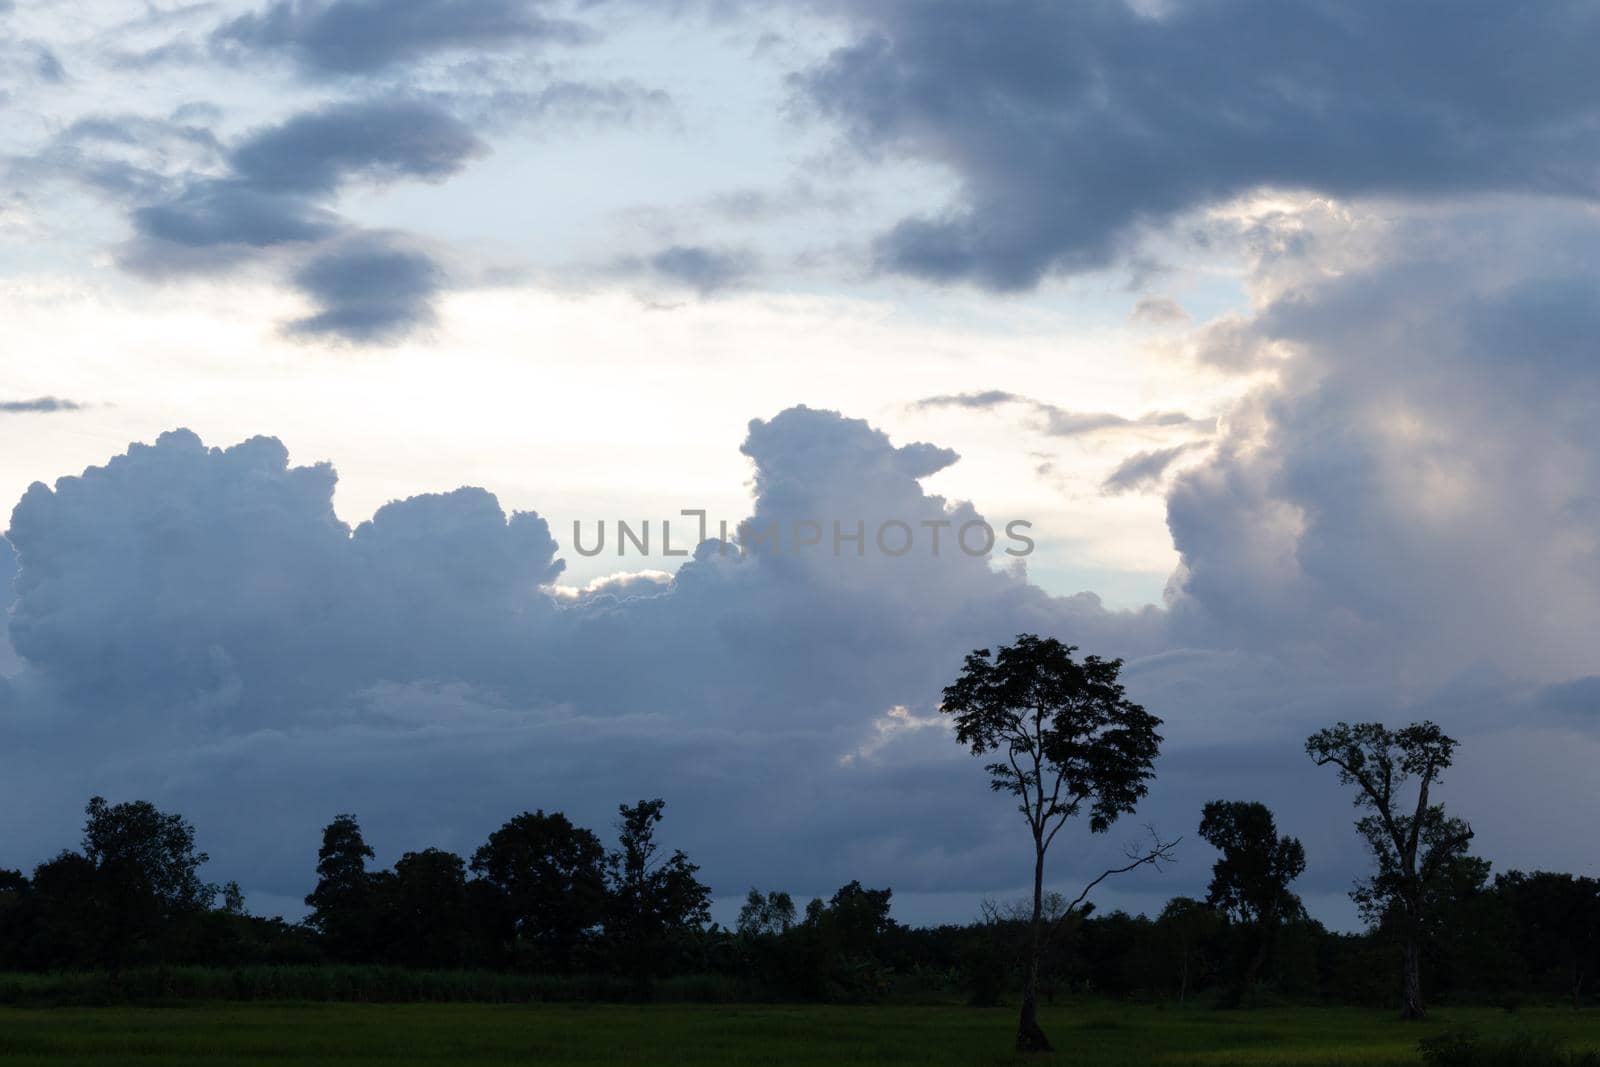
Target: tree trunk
x=1411, y=978
x=1030, y=1037
x=1183, y=976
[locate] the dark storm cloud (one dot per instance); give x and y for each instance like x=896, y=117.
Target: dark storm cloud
x=281, y=177
x=370, y=287
x=355, y=37
x=1142, y=470
x=210, y=213
x=1059, y=422
x=268, y=201
x=43, y=404
x=199, y=627
x=372, y=140
x=1071, y=126
x=1579, y=699
x=201, y=618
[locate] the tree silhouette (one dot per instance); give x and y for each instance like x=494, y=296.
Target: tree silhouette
x=1250, y=880
x=552, y=877
x=766, y=914
x=145, y=873
x=651, y=898
x=1183, y=928
x=1072, y=742
x=342, y=905
x=1558, y=925
x=426, y=906
x=1415, y=853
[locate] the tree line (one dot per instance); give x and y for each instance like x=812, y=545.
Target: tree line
x=543, y=895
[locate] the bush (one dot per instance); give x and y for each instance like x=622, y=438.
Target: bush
x=1463, y=1048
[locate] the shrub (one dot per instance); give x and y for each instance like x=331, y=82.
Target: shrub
x=1463, y=1048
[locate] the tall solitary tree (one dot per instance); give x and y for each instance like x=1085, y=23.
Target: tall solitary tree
x=1416, y=850
x=343, y=906
x=1250, y=880
x=1069, y=742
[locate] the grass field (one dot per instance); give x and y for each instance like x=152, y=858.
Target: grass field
x=724, y=1034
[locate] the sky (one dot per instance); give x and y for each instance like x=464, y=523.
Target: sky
x=331, y=330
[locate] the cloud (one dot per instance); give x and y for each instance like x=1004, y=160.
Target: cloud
x=705, y=270
x=1158, y=311
x=1073, y=127
x=362, y=37
x=893, y=724
x=123, y=156
x=221, y=214
x=376, y=140
x=38, y=405
x=48, y=66
x=197, y=623
x=1427, y=464
x=1143, y=470
x=269, y=200
x=565, y=103
x=1059, y=422
x=371, y=288
x=199, y=627
x=236, y=567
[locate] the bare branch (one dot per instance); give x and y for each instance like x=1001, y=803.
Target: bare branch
x=1155, y=854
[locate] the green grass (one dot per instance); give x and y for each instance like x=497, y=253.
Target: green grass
x=561, y=1034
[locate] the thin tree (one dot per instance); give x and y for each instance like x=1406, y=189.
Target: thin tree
x=1414, y=851
x=342, y=904
x=1250, y=880
x=1071, y=742
x=652, y=899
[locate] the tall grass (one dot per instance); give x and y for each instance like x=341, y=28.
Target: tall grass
x=346, y=984
x=1464, y=1048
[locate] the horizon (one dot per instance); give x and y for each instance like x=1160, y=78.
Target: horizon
x=327, y=324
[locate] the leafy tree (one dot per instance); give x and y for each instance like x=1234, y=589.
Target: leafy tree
x=1182, y=931
x=343, y=908
x=1071, y=742
x=1416, y=852
x=145, y=873
x=1250, y=880
x=839, y=946
x=766, y=914
x=552, y=878
x=233, y=899
x=62, y=913
x=1558, y=923
x=860, y=916
x=651, y=899
x=14, y=901
x=425, y=905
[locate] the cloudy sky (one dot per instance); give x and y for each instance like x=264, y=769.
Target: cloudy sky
x=324, y=321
